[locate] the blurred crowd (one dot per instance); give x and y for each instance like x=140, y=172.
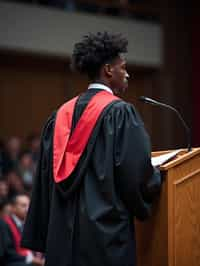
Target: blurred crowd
x=18, y=161
x=113, y=7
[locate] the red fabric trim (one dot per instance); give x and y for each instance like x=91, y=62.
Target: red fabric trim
x=61, y=135
x=16, y=236
x=67, y=152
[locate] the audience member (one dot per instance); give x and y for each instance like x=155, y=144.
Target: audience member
x=4, y=189
x=8, y=254
x=16, y=176
x=33, y=145
x=10, y=155
x=17, y=167
x=15, y=183
x=26, y=169
x=1, y=156
x=15, y=221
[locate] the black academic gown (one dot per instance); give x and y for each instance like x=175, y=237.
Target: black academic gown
x=87, y=220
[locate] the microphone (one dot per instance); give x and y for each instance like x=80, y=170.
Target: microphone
x=187, y=129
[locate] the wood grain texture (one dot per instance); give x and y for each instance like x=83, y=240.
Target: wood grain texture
x=187, y=220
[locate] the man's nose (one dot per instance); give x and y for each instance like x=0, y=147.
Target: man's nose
x=127, y=75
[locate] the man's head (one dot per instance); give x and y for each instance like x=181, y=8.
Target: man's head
x=100, y=56
x=20, y=204
x=5, y=207
x=13, y=147
x=4, y=189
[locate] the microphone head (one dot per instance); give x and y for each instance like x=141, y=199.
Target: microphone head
x=154, y=102
x=142, y=98
x=148, y=100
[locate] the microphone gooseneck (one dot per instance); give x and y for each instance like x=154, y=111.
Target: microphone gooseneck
x=187, y=129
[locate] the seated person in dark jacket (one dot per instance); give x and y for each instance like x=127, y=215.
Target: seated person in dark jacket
x=15, y=221
x=8, y=254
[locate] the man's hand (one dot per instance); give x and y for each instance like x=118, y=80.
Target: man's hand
x=38, y=261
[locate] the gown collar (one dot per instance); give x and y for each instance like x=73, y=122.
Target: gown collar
x=99, y=86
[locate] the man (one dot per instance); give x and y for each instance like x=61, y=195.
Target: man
x=94, y=173
x=15, y=222
x=8, y=254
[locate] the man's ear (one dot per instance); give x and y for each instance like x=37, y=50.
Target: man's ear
x=108, y=70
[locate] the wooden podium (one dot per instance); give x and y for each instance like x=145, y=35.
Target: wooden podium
x=171, y=237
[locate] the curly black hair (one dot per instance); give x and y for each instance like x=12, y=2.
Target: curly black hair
x=96, y=50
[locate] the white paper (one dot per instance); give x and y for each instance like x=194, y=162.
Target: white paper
x=161, y=159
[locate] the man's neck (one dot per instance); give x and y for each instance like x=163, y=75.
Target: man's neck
x=17, y=220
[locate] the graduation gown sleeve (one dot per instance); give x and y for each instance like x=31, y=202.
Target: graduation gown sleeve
x=36, y=225
x=138, y=181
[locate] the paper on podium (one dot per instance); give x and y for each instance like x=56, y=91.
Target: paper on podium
x=164, y=158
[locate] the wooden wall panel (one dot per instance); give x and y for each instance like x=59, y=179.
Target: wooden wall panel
x=176, y=70
x=29, y=93
x=32, y=87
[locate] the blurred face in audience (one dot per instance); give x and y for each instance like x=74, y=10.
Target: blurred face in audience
x=13, y=146
x=26, y=161
x=3, y=189
x=20, y=206
x=35, y=144
x=15, y=182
